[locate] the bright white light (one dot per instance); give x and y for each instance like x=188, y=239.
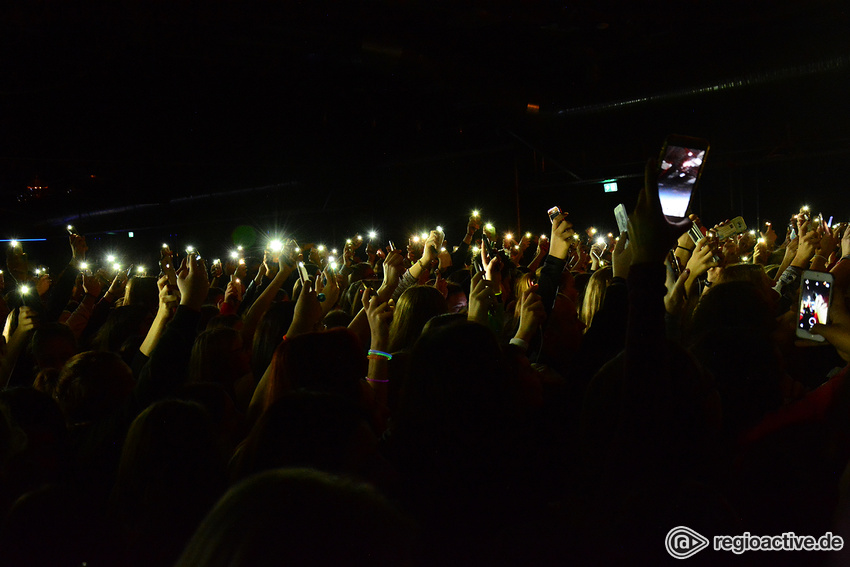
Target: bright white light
x=489, y=226
x=576, y=236
x=25, y=289
x=110, y=258
x=516, y=247
x=239, y=248
x=359, y=237
x=372, y=234
x=234, y=254
x=528, y=235
x=542, y=237
x=334, y=252
x=761, y=240
x=140, y=269
x=333, y=266
x=592, y=230
x=69, y=227
x=475, y=213
x=297, y=249
x=164, y=245
x=745, y=258
x=476, y=250
x=439, y=229
x=116, y=266
x=600, y=240
x=509, y=236
x=190, y=248
x=415, y=239
x=424, y=236
x=13, y=243
x=37, y=271
x=348, y=241
x=84, y=265
x=275, y=245
x=331, y=259
x=443, y=249
x=321, y=248
x=752, y=233
x=241, y=261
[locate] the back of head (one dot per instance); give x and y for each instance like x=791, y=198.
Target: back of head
x=216, y=357
x=92, y=385
x=416, y=306
x=332, y=361
x=123, y=322
x=52, y=345
x=142, y=290
x=269, y=335
x=594, y=294
x=300, y=517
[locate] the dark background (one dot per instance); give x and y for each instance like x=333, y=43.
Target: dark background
x=181, y=121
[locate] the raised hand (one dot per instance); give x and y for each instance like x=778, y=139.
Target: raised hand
x=193, y=283
x=481, y=299
x=327, y=287
x=621, y=257
x=808, y=243
x=380, y=316
x=531, y=314
x=78, y=247
x=308, y=311
x=561, y=237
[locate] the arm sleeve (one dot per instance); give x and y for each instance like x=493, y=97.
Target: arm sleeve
x=60, y=294
x=407, y=280
x=549, y=282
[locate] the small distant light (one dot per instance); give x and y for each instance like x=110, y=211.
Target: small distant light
x=439, y=229
x=372, y=234
x=130, y=234
x=610, y=186
x=25, y=289
x=475, y=213
x=415, y=239
x=297, y=249
x=321, y=248
x=234, y=254
x=239, y=248
x=443, y=249
x=241, y=261
x=516, y=247
x=37, y=271
x=190, y=248
x=140, y=269
x=424, y=236
x=275, y=245
x=116, y=266
x=84, y=265
x=532, y=108
x=164, y=245
x=70, y=227
x=610, y=235
x=576, y=236
x=752, y=233
x=476, y=250
x=334, y=252
x=745, y=258
x=528, y=235
x=333, y=266
x=761, y=241
x=592, y=230
x=110, y=258
x=359, y=237
x=348, y=241
x=542, y=237
x=489, y=226
x=805, y=207
x=13, y=243
x=331, y=259
x=509, y=236
x=600, y=240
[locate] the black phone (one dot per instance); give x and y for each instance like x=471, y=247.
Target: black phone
x=488, y=246
x=679, y=169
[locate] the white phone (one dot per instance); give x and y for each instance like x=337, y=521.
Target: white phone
x=815, y=297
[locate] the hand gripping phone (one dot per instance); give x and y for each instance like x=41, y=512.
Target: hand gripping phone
x=679, y=169
x=815, y=298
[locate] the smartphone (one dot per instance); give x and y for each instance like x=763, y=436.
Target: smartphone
x=815, y=297
x=622, y=218
x=130, y=270
x=302, y=273
x=553, y=213
x=477, y=264
x=71, y=230
x=679, y=169
x=731, y=228
x=392, y=245
x=695, y=232
x=488, y=246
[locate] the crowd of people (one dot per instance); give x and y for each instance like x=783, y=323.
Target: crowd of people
x=562, y=399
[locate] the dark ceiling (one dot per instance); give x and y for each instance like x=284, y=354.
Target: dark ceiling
x=363, y=109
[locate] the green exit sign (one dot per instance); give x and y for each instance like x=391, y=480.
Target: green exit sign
x=610, y=185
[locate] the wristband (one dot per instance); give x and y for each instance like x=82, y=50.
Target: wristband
x=684, y=248
x=372, y=381
x=378, y=354
x=520, y=343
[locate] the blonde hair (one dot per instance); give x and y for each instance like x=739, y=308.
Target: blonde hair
x=594, y=294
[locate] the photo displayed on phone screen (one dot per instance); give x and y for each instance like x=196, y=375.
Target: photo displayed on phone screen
x=814, y=303
x=679, y=171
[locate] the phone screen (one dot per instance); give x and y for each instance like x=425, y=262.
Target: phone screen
x=814, y=304
x=677, y=177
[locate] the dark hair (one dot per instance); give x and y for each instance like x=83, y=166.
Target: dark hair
x=123, y=322
x=142, y=290
x=92, y=385
x=42, y=349
x=171, y=472
x=300, y=517
x=269, y=334
x=213, y=356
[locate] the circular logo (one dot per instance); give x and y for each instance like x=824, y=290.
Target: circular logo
x=683, y=542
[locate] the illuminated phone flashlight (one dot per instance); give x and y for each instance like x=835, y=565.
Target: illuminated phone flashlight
x=275, y=245
x=25, y=289
x=528, y=235
x=475, y=213
x=592, y=230
x=321, y=248
x=84, y=265
x=600, y=240
x=333, y=266
x=761, y=240
x=424, y=236
x=610, y=235
x=752, y=233
x=234, y=254
x=13, y=243
x=110, y=258
x=509, y=236
x=164, y=245
x=359, y=237
x=542, y=237
x=190, y=249
x=805, y=208
x=476, y=250
x=348, y=241
x=37, y=271
x=516, y=247
x=576, y=236
x=439, y=229
x=116, y=266
x=489, y=226
x=239, y=248
x=372, y=235
x=745, y=258
x=331, y=259
x=140, y=269
x=241, y=261
x=443, y=249
x=415, y=238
